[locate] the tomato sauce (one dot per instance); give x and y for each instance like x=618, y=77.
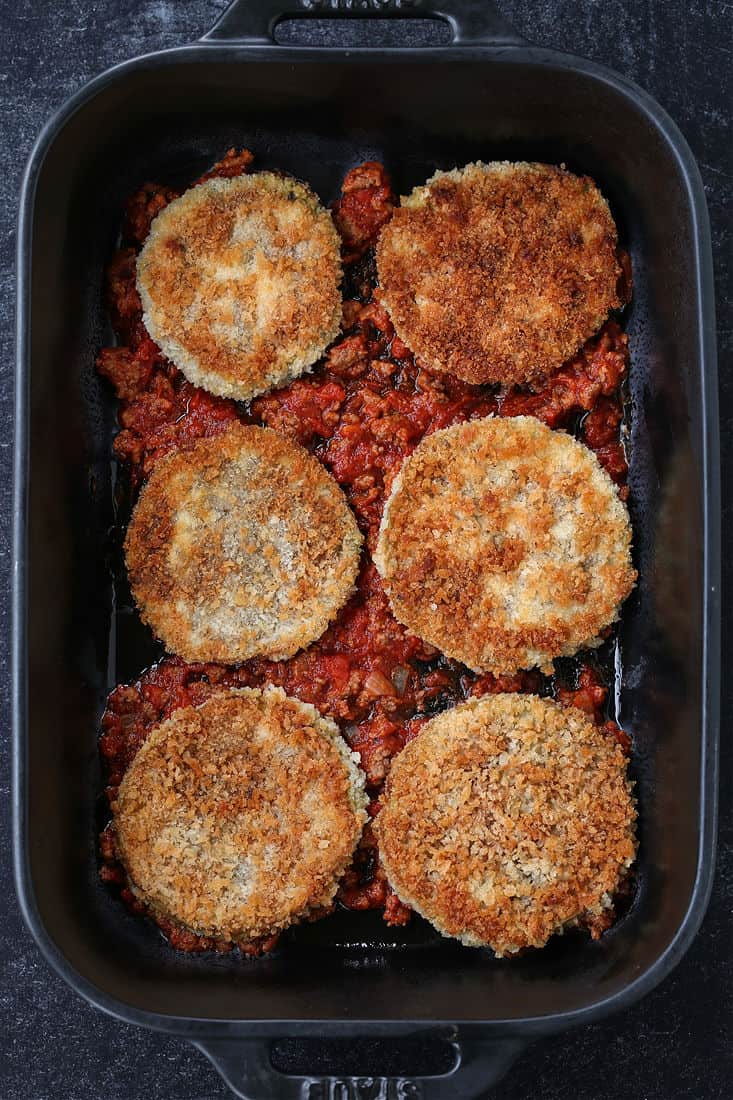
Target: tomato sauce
x=361, y=411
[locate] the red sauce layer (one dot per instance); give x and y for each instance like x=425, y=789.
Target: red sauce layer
x=362, y=410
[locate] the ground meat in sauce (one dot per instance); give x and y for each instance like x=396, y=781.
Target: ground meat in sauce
x=361, y=412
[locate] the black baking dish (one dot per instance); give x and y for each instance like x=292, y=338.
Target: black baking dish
x=315, y=113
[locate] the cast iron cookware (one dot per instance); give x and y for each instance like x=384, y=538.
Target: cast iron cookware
x=316, y=113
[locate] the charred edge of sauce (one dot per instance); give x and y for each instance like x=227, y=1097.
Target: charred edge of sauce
x=361, y=412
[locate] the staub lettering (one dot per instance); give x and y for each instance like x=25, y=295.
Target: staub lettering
x=359, y=5
x=361, y=1088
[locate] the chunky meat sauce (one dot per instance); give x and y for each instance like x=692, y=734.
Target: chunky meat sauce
x=361, y=412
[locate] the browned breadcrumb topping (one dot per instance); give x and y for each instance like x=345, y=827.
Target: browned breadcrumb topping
x=507, y=819
x=241, y=545
x=505, y=544
x=238, y=817
x=239, y=280
x=499, y=272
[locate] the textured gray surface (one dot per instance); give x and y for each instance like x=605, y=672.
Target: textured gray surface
x=676, y=1043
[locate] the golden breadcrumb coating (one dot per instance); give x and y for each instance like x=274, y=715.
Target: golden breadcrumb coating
x=241, y=545
x=507, y=819
x=239, y=280
x=505, y=544
x=499, y=272
x=238, y=817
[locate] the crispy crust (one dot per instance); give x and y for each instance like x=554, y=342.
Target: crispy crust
x=242, y=545
x=238, y=817
x=239, y=280
x=507, y=819
x=499, y=272
x=505, y=544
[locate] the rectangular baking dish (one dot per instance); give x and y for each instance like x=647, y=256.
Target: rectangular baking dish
x=315, y=113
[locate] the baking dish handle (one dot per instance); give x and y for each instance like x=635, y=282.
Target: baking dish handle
x=245, y=1066
x=473, y=22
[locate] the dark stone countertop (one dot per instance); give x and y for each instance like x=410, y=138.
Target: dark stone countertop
x=676, y=1042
